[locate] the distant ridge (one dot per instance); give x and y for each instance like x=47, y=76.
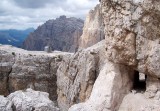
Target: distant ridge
x=14, y=37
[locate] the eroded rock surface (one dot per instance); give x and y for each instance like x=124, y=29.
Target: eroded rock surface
x=132, y=42
x=132, y=33
x=93, y=30
x=77, y=74
x=31, y=100
x=102, y=77
x=28, y=100
x=6, y=62
x=21, y=69
x=109, y=89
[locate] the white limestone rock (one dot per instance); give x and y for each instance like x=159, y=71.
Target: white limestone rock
x=109, y=89
x=21, y=69
x=5, y=104
x=138, y=102
x=93, y=30
x=132, y=33
x=31, y=100
x=76, y=75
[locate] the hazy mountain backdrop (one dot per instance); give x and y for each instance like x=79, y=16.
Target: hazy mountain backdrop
x=14, y=37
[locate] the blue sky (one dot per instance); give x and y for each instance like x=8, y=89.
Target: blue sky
x=22, y=14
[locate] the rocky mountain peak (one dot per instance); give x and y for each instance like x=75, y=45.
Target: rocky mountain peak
x=62, y=17
x=63, y=34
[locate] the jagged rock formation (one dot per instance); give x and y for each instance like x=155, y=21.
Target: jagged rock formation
x=21, y=69
x=38, y=70
x=77, y=74
x=132, y=35
x=104, y=77
x=62, y=34
x=109, y=89
x=28, y=100
x=132, y=46
x=93, y=30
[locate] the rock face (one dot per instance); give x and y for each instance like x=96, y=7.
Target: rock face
x=6, y=62
x=93, y=30
x=28, y=100
x=106, y=76
x=132, y=38
x=132, y=33
x=77, y=74
x=21, y=69
x=110, y=87
x=132, y=45
x=61, y=34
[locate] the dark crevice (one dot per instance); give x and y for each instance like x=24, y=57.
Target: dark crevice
x=7, y=82
x=33, y=109
x=14, y=107
x=139, y=84
x=8, y=89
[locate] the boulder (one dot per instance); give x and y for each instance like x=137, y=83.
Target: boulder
x=5, y=104
x=31, y=100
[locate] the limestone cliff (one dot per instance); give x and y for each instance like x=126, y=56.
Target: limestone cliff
x=93, y=30
x=132, y=33
x=132, y=47
x=61, y=34
x=76, y=75
x=133, y=37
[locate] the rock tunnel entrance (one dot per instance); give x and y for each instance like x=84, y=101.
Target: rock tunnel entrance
x=139, y=83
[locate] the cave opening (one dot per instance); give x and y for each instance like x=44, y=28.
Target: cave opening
x=139, y=83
